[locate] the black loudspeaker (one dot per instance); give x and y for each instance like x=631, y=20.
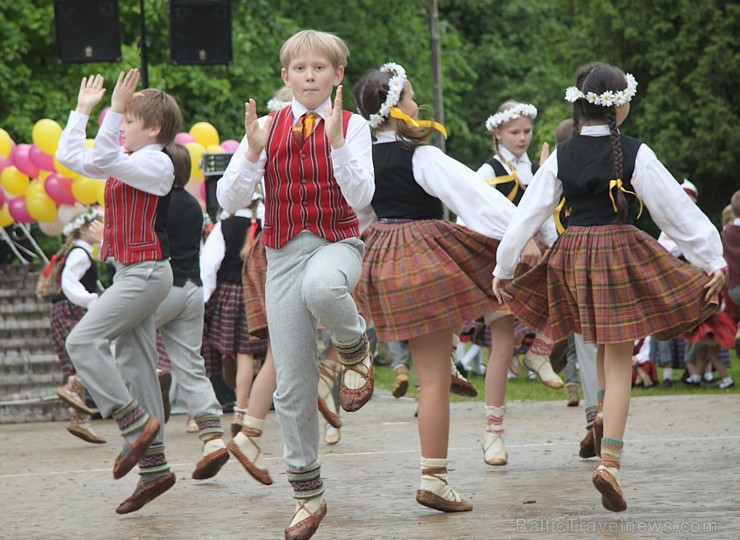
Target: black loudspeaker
x=200, y=32
x=87, y=31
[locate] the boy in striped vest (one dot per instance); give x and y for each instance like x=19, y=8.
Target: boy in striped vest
x=140, y=178
x=316, y=163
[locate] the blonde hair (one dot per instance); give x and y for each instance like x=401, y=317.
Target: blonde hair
x=155, y=107
x=322, y=43
x=505, y=106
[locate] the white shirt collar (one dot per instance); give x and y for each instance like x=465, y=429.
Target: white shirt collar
x=299, y=109
x=508, y=156
x=595, y=131
x=84, y=245
x=736, y=221
x=385, y=136
x=244, y=212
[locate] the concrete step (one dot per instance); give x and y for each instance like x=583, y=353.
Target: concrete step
x=38, y=411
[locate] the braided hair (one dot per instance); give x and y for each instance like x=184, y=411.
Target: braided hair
x=598, y=78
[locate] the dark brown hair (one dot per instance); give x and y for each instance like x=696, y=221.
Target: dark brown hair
x=370, y=94
x=599, y=78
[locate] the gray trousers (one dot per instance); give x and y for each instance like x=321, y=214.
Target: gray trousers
x=309, y=280
x=125, y=312
x=585, y=355
x=180, y=321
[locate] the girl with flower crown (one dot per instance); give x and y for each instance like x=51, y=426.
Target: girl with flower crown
x=422, y=276
x=79, y=291
x=604, y=278
x=510, y=171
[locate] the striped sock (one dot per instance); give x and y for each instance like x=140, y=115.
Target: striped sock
x=209, y=426
x=307, y=484
x=353, y=352
x=495, y=419
x=541, y=345
x=131, y=420
x=611, y=449
x=154, y=463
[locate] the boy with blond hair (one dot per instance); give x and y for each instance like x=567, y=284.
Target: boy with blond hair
x=140, y=178
x=316, y=164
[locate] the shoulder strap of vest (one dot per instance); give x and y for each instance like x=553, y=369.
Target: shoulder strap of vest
x=497, y=167
x=345, y=121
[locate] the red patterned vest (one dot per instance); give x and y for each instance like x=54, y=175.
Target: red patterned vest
x=135, y=224
x=300, y=190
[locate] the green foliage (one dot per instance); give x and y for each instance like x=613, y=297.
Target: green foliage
x=684, y=55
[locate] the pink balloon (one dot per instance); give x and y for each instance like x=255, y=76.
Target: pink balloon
x=22, y=161
x=203, y=191
x=17, y=208
x=230, y=145
x=184, y=137
x=102, y=115
x=59, y=189
x=2, y=197
x=43, y=161
x=3, y=163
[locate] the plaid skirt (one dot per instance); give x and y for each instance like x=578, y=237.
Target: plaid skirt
x=63, y=318
x=611, y=284
x=163, y=359
x=424, y=276
x=480, y=333
x=225, y=327
x=254, y=277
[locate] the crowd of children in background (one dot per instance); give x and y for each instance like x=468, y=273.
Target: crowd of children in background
x=336, y=225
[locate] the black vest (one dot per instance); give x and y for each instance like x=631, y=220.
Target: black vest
x=234, y=229
x=585, y=169
x=184, y=229
x=506, y=187
x=397, y=195
x=89, y=280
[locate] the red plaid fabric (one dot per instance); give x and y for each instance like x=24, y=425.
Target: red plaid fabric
x=610, y=283
x=254, y=276
x=225, y=327
x=163, y=359
x=423, y=276
x=63, y=318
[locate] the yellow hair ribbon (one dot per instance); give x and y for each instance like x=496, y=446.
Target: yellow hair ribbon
x=556, y=216
x=618, y=184
x=398, y=115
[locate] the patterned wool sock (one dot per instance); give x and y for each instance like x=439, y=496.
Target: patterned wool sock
x=210, y=433
x=590, y=416
x=352, y=353
x=495, y=420
x=131, y=420
x=154, y=464
x=308, y=491
x=611, y=449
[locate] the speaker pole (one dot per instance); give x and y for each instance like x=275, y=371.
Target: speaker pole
x=143, y=46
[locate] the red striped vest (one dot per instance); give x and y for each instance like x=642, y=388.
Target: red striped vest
x=300, y=190
x=135, y=224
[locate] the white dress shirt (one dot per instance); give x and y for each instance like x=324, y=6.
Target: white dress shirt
x=352, y=165
x=75, y=266
x=669, y=206
x=148, y=169
x=522, y=165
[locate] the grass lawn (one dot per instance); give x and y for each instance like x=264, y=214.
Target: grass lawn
x=523, y=389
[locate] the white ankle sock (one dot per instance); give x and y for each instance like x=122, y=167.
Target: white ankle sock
x=437, y=484
x=354, y=380
x=213, y=446
x=250, y=446
x=312, y=505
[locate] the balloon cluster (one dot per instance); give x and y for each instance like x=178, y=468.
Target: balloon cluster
x=36, y=188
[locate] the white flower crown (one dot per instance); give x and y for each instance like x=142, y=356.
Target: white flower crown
x=395, y=87
x=275, y=105
x=609, y=98
x=84, y=219
x=520, y=109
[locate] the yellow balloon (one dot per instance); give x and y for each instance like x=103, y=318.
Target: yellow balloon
x=46, y=134
x=204, y=133
x=5, y=218
x=43, y=175
x=6, y=143
x=215, y=149
x=89, y=143
x=85, y=190
x=64, y=171
x=36, y=189
x=41, y=208
x=14, y=181
x=101, y=193
x=196, y=151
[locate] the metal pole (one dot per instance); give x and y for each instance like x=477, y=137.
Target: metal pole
x=439, y=111
x=30, y=239
x=143, y=46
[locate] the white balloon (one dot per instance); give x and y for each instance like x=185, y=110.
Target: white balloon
x=51, y=228
x=66, y=212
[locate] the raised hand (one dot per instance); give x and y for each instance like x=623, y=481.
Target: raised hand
x=256, y=135
x=334, y=120
x=715, y=284
x=91, y=92
x=544, y=153
x=124, y=90
x=531, y=254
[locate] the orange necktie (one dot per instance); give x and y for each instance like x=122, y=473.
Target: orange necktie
x=304, y=127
